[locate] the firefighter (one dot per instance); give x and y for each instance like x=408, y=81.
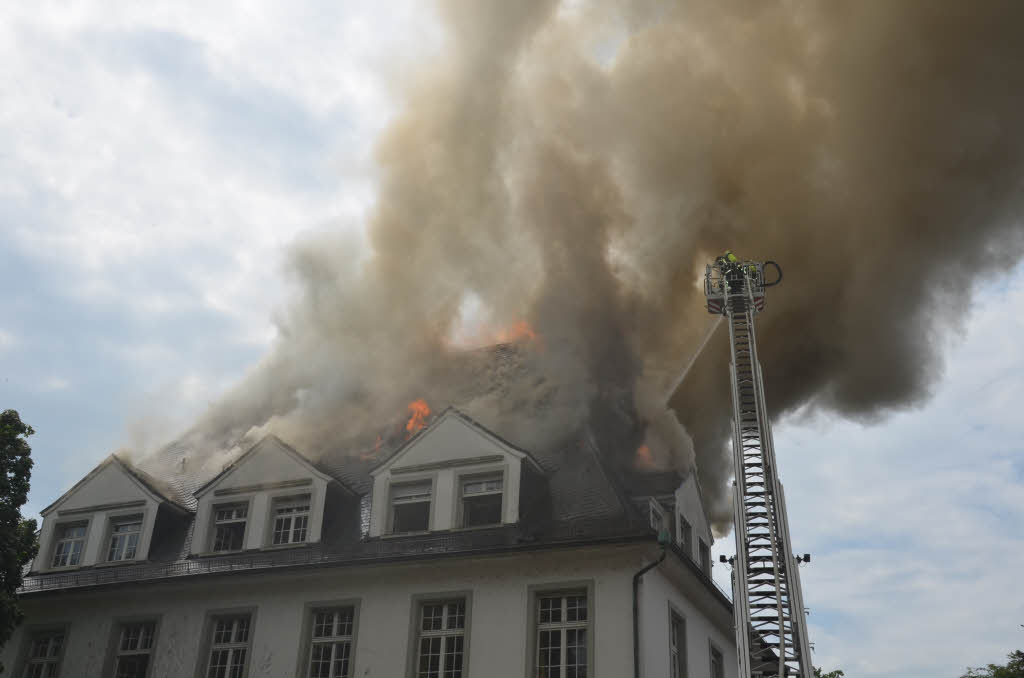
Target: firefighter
x=727, y=260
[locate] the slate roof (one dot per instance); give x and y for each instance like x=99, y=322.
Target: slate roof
x=586, y=468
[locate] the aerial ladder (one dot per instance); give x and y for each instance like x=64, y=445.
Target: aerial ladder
x=771, y=622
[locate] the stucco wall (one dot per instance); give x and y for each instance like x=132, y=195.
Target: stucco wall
x=689, y=505
x=499, y=628
x=657, y=594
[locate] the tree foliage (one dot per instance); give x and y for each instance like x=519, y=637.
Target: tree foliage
x=17, y=536
x=831, y=674
x=1014, y=668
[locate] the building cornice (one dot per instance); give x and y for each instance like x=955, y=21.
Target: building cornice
x=372, y=552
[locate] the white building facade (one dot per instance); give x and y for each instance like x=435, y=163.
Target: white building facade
x=456, y=554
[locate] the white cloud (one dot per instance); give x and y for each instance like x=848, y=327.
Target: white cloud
x=55, y=384
x=7, y=340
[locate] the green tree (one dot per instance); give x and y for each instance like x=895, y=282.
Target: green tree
x=831, y=674
x=1014, y=668
x=17, y=536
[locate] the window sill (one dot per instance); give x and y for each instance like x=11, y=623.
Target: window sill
x=65, y=568
x=116, y=563
x=283, y=547
x=424, y=533
x=489, y=526
x=399, y=535
x=218, y=554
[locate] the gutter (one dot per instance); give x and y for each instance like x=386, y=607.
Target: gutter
x=636, y=608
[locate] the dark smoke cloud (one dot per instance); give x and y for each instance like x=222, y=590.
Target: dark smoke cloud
x=577, y=164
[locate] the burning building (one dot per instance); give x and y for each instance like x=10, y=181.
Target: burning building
x=439, y=547
x=570, y=166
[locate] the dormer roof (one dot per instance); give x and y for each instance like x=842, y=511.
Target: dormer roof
x=147, y=483
x=452, y=417
x=271, y=444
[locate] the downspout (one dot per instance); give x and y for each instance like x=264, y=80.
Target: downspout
x=636, y=609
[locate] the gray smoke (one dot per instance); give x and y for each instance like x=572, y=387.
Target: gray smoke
x=575, y=165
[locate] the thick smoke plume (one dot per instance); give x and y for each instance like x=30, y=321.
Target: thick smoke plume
x=575, y=165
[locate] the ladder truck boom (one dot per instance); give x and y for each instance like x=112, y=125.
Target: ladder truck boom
x=771, y=626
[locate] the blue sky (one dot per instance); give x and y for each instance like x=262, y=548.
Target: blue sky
x=155, y=162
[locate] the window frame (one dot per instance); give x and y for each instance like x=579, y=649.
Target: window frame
x=417, y=601
x=534, y=593
x=29, y=631
x=685, y=535
x=431, y=481
x=500, y=473
x=55, y=540
x=211, y=537
x=123, y=517
x=206, y=640
x=654, y=509
x=713, y=649
x=704, y=549
x=306, y=639
x=114, y=643
x=272, y=503
x=683, y=651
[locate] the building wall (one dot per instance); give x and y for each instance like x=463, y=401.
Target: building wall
x=499, y=628
x=659, y=595
x=690, y=506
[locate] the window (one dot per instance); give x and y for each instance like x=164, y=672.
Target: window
x=134, y=649
x=44, y=654
x=410, y=507
x=562, y=635
x=229, y=646
x=677, y=646
x=291, y=520
x=717, y=665
x=229, y=527
x=481, y=501
x=705, y=557
x=656, y=517
x=330, y=654
x=686, y=536
x=441, y=639
x=124, y=538
x=70, y=541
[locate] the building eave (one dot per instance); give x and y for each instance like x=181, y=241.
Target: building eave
x=107, y=578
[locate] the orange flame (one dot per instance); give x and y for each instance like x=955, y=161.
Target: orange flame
x=418, y=413
x=644, y=458
x=519, y=331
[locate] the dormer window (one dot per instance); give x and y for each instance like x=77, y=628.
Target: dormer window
x=686, y=536
x=229, y=527
x=656, y=516
x=481, y=500
x=291, y=520
x=410, y=507
x=124, y=538
x=70, y=542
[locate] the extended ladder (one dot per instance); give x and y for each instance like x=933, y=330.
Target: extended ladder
x=771, y=630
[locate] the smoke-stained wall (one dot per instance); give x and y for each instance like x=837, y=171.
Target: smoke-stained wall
x=575, y=164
